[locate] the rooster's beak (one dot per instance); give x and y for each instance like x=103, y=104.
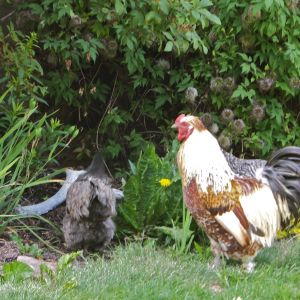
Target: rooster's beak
x=174, y=126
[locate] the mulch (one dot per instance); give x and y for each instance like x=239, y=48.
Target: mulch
x=9, y=250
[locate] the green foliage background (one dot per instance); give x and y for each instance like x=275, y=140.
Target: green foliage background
x=119, y=69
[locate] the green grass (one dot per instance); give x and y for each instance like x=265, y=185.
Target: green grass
x=137, y=272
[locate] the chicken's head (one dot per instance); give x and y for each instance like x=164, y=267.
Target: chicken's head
x=186, y=124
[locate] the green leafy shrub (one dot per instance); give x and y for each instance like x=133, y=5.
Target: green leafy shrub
x=152, y=193
x=252, y=70
x=103, y=57
x=162, y=57
x=16, y=271
x=29, y=140
x=182, y=235
x=21, y=166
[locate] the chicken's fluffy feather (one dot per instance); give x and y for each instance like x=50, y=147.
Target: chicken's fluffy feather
x=90, y=207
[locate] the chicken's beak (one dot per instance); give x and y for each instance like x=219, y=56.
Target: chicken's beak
x=174, y=126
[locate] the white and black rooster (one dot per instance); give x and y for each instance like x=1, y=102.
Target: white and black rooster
x=240, y=212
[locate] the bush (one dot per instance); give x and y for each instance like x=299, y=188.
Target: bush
x=103, y=57
x=30, y=141
x=160, y=57
x=152, y=193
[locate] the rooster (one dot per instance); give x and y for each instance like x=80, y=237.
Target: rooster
x=239, y=214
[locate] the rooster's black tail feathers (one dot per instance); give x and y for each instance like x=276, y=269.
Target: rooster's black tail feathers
x=283, y=174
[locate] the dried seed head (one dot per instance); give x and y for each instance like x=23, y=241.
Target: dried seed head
x=212, y=36
x=247, y=41
x=238, y=126
x=224, y=142
x=87, y=36
x=163, y=64
x=191, y=94
x=112, y=45
x=265, y=84
x=75, y=21
x=52, y=59
x=214, y=128
x=229, y=83
x=216, y=84
x=206, y=119
x=292, y=4
x=252, y=16
x=227, y=115
x=295, y=83
x=258, y=113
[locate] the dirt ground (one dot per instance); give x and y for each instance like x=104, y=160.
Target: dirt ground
x=47, y=234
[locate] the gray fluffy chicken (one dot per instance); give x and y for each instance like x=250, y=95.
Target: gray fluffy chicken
x=90, y=207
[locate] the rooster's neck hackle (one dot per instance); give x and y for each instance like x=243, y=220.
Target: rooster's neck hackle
x=201, y=158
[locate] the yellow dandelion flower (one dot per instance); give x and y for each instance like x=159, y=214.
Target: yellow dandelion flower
x=165, y=182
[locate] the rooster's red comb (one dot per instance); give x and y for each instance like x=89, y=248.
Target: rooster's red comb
x=179, y=118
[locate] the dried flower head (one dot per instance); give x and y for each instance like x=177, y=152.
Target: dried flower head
x=68, y=63
x=295, y=83
x=265, y=84
x=227, y=115
x=81, y=91
x=229, y=83
x=88, y=57
x=163, y=64
x=206, y=119
x=191, y=94
x=112, y=45
x=216, y=84
x=212, y=36
x=224, y=142
x=248, y=41
x=52, y=59
x=93, y=90
x=214, y=128
x=75, y=21
x=251, y=15
x=258, y=113
x=292, y=4
x=87, y=36
x=238, y=126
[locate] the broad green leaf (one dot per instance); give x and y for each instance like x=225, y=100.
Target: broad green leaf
x=17, y=271
x=271, y=29
x=168, y=35
x=120, y=7
x=205, y=3
x=164, y=6
x=268, y=3
x=213, y=18
x=153, y=16
x=169, y=46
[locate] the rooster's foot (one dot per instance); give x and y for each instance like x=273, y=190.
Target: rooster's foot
x=249, y=266
x=216, y=263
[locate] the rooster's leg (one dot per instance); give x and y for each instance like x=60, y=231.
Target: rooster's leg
x=216, y=263
x=217, y=251
x=248, y=265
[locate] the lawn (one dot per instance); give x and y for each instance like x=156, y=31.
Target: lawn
x=148, y=272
